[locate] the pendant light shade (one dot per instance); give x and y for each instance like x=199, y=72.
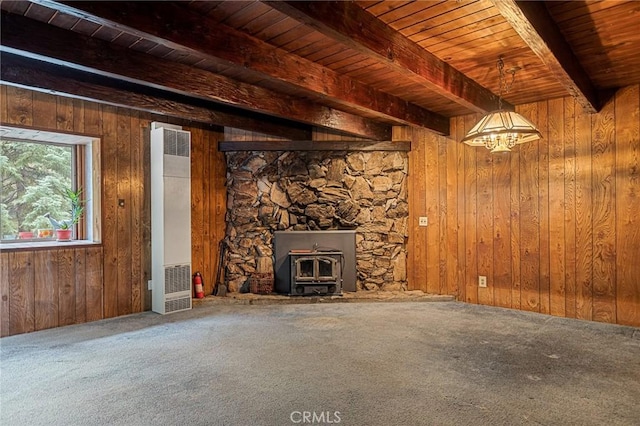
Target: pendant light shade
x=499, y=131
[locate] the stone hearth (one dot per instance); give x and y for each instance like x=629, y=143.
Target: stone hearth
x=319, y=190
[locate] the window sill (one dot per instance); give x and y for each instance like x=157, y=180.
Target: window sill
x=44, y=245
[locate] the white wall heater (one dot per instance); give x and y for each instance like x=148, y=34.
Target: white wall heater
x=170, y=218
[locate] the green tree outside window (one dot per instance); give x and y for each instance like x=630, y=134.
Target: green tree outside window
x=34, y=176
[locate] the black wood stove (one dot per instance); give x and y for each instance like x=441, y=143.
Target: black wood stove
x=315, y=272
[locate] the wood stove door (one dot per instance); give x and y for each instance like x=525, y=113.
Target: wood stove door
x=305, y=269
x=327, y=269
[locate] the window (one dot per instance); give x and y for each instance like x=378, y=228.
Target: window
x=37, y=169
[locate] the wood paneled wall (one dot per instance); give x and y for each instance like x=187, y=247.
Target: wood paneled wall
x=554, y=225
x=50, y=288
x=317, y=134
x=208, y=203
x=39, y=285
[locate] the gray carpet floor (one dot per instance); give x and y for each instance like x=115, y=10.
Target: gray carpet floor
x=350, y=364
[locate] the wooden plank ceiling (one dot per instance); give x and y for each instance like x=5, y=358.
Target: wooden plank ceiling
x=351, y=67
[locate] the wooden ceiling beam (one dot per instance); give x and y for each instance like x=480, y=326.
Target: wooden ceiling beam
x=35, y=75
x=532, y=21
x=347, y=23
x=88, y=54
x=178, y=28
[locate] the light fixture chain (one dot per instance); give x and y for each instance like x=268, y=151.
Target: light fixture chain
x=504, y=86
x=501, y=79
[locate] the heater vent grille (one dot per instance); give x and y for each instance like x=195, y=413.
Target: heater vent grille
x=177, y=304
x=176, y=142
x=177, y=278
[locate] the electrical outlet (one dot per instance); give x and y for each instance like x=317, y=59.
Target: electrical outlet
x=149, y=285
x=482, y=281
x=423, y=221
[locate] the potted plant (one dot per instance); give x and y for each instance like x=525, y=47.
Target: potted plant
x=25, y=235
x=65, y=227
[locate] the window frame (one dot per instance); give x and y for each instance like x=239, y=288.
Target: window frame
x=86, y=174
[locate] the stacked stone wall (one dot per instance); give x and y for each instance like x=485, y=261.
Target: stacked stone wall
x=319, y=190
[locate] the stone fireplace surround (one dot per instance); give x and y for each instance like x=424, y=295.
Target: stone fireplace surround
x=319, y=190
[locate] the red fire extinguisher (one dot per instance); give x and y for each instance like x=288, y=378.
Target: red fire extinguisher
x=197, y=284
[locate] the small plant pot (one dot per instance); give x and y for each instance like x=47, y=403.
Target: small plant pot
x=25, y=235
x=64, y=234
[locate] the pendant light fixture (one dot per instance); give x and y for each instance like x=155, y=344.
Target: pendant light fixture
x=501, y=130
